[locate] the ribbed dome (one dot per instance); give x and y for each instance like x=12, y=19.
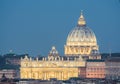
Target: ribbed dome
x=81, y=41
x=81, y=34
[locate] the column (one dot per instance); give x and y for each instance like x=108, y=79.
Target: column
x=61, y=75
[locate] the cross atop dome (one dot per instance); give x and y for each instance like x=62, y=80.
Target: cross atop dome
x=81, y=20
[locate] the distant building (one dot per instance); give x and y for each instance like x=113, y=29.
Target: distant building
x=81, y=45
x=13, y=61
x=11, y=74
x=13, y=58
x=113, y=68
x=95, y=69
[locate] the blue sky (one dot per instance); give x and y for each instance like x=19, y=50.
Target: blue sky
x=34, y=26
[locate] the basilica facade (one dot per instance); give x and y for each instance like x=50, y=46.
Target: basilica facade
x=81, y=52
x=58, y=67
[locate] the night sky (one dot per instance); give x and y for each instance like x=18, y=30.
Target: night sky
x=34, y=26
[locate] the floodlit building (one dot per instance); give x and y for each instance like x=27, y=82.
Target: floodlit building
x=81, y=44
x=52, y=66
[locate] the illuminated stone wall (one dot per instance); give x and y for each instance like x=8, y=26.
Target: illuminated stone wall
x=47, y=73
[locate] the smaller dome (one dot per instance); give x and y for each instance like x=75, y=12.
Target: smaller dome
x=53, y=52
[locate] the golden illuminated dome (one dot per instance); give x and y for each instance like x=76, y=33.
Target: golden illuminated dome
x=81, y=40
x=81, y=34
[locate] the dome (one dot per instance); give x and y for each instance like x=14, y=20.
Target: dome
x=53, y=52
x=81, y=41
x=81, y=34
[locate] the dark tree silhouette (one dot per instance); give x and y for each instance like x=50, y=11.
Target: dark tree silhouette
x=3, y=79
